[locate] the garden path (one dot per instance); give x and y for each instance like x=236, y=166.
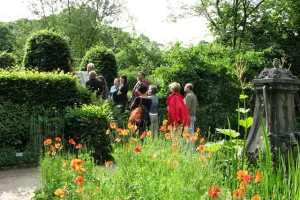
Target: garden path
x=19, y=183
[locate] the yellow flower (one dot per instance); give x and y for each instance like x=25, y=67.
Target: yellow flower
x=95, y=191
x=209, y=154
x=107, y=132
x=66, y=163
x=165, y=122
x=79, y=190
x=60, y=192
x=107, y=164
x=175, y=154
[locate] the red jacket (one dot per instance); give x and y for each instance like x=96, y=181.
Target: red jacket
x=177, y=111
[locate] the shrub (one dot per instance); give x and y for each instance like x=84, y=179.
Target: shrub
x=88, y=125
x=47, y=51
x=7, y=60
x=104, y=60
x=43, y=89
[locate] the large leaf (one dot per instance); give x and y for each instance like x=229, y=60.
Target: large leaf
x=229, y=132
x=247, y=122
x=214, y=146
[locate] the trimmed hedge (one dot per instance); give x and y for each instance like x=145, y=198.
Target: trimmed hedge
x=105, y=62
x=88, y=125
x=44, y=89
x=7, y=60
x=48, y=51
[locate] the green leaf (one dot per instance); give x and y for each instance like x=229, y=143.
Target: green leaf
x=229, y=132
x=243, y=96
x=246, y=123
x=214, y=146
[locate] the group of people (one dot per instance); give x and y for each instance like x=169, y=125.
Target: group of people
x=181, y=109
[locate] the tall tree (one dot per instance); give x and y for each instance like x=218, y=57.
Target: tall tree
x=6, y=38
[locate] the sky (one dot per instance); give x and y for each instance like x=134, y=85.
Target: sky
x=150, y=19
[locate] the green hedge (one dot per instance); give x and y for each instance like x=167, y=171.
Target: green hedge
x=7, y=60
x=48, y=51
x=44, y=89
x=88, y=125
x=104, y=60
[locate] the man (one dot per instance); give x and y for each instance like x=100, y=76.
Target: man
x=84, y=75
x=140, y=80
x=95, y=84
x=191, y=104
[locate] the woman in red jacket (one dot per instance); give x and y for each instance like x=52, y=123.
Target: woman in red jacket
x=177, y=111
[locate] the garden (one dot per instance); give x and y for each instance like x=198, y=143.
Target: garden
x=84, y=149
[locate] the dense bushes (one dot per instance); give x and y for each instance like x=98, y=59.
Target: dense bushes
x=7, y=60
x=43, y=89
x=47, y=51
x=88, y=125
x=104, y=60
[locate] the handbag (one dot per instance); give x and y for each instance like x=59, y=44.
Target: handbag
x=136, y=114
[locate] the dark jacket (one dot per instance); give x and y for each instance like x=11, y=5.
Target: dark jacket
x=95, y=84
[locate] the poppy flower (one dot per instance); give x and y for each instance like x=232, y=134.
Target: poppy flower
x=60, y=192
x=256, y=197
x=243, y=184
x=113, y=125
x=241, y=174
x=258, y=177
x=118, y=140
x=143, y=135
x=47, y=142
x=198, y=130
x=168, y=136
x=209, y=154
x=202, y=140
x=167, y=161
x=174, y=146
x=81, y=169
x=95, y=190
x=201, y=148
x=107, y=132
x=119, y=131
x=132, y=140
x=202, y=158
x=165, y=122
x=79, y=190
x=76, y=163
x=58, y=146
x=175, y=154
x=170, y=128
x=193, y=139
x=213, y=191
x=66, y=163
x=57, y=139
x=130, y=125
x=137, y=149
x=79, y=146
x=107, y=164
x=163, y=128
x=71, y=141
x=127, y=146
x=125, y=132
x=149, y=133
x=184, y=134
x=79, y=180
x=135, y=127
x=239, y=193
x=175, y=164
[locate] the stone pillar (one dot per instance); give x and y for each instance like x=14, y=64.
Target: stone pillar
x=275, y=103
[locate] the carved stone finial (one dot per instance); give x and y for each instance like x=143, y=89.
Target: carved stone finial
x=276, y=63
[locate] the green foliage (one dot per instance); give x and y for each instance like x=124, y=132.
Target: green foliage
x=6, y=38
x=44, y=89
x=104, y=60
x=7, y=60
x=48, y=51
x=88, y=125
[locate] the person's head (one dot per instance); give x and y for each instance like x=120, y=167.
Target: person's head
x=140, y=76
x=152, y=90
x=123, y=79
x=116, y=82
x=142, y=89
x=174, y=87
x=102, y=79
x=188, y=87
x=90, y=67
x=92, y=74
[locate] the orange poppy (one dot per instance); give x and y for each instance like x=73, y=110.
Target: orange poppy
x=175, y=154
x=119, y=130
x=170, y=128
x=76, y=163
x=239, y=193
x=53, y=153
x=135, y=127
x=143, y=135
x=258, y=177
x=107, y=132
x=201, y=148
x=58, y=146
x=130, y=125
x=79, y=190
x=132, y=140
x=198, y=130
x=137, y=149
x=165, y=122
x=113, y=125
x=79, y=146
x=163, y=128
x=57, y=139
x=66, y=163
x=107, y=164
x=241, y=174
x=193, y=139
x=256, y=197
x=71, y=141
x=243, y=184
x=149, y=133
x=209, y=154
x=174, y=146
x=81, y=169
x=202, y=158
x=60, y=192
x=213, y=191
x=202, y=140
x=168, y=136
x=167, y=161
x=175, y=164
x=184, y=134
x=95, y=191
x=127, y=146
x=47, y=142
x=79, y=180
x=125, y=132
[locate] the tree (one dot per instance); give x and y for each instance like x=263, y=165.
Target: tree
x=6, y=38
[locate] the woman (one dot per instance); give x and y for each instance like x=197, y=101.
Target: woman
x=121, y=95
x=145, y=101
x=105, y=91
x=177, y=111
x=153, y=110
x=114, y=89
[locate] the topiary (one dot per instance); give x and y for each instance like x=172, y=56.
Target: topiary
x=104, y=60
x=7, y=60
x=47, y=51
